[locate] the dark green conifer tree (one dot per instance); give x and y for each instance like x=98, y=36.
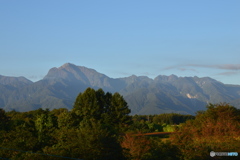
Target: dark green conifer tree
x=109, y=109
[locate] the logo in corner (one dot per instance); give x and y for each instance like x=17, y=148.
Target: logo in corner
x=212, y=154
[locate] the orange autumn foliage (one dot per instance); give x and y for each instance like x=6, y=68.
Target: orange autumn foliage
x=217, y=129
x=136, y=145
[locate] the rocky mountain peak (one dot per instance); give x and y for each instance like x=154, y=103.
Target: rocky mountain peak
x=164, y=78
x=164, y=94
x=67, y=65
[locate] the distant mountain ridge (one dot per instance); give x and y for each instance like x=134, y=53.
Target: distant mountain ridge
x=163, y=94
x=14, y=81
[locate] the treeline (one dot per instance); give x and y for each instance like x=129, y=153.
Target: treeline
x=99, y=127
x=166, y=118
x=158, y=123
x=58, y=132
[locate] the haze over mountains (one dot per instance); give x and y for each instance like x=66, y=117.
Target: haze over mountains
x=163, y=94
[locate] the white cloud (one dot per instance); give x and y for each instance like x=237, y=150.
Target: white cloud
x=235, y=67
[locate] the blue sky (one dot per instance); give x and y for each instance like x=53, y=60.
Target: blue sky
x=122, y=38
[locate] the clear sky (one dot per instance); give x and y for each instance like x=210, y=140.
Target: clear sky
x=120, y=38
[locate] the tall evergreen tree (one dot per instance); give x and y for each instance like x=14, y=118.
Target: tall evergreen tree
x=109, y=109
x=102, y=115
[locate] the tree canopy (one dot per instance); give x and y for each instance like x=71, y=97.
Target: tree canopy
x=99, y=127
x=110, y=109
x=216, y=129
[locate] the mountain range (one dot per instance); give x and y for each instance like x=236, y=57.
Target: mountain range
x=163, y=94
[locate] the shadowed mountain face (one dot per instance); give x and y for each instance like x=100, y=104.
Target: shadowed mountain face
x=164, y=94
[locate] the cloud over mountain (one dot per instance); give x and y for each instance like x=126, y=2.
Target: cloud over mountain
x=235, y=67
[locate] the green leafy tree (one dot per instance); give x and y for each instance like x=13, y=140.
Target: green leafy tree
x=163, y=150
x=107, y=108
x=45, y=125
x=171, y=118
x=22, y=137
x=67, y=143
x=91, y=141
x=98, y=142
x=102, y=117
x=90, y=131
x=116, y=111
x=68, y=120
x=140, y=127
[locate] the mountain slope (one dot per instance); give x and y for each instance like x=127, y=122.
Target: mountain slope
x=164, y=94
x=9, y=85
